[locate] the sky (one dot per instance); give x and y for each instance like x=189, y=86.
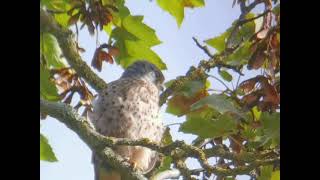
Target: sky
x=177, y=50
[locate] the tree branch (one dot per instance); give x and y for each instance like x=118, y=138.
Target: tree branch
x=204, y=48
x=178, y=150
x=66, y=41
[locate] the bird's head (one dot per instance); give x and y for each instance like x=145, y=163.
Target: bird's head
x=146, y=71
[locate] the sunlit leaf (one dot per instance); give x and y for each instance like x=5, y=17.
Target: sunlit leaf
x=135, y=26
x=46, y=153
x=174, y=7
x=62, y=19
x=219, y=42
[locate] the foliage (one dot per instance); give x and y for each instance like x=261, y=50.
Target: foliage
x=243, y=119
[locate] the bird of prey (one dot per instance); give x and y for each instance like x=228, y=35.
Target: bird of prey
x=129, y=108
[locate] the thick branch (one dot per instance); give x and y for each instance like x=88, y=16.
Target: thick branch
x=179, y=149
x=69, y=50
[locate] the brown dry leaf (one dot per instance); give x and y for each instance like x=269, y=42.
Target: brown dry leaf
x=248, y=85
x=257, y=59
x=274, y=43
x=236, y=143
x=250, y=100
x=114, y=51
x=183, y=103
x=96, y=60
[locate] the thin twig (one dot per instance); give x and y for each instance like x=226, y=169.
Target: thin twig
x=204, y=48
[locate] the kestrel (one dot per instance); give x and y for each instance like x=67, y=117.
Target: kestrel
x=129, y=108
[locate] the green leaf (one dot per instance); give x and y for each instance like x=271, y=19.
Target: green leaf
x=204, y=125
x=62, y=19
x=139, y=50
x=135, y=26
x=174, y=8
x=256, y=112
x=275, y=175
x=248, y=29
x=219, y=42
x=108, y=28
x=48, y=90
x=133, y=49
x=241, y=33
x=248, y=132
x=265, y=172
x=241, y=55
x=216, y=101
x=57, y=5
x=191, y=87
x=271, y=127
x=225, y=75
x=46, y=153
x=172, y=109
x=51, y=51
x=123, y=12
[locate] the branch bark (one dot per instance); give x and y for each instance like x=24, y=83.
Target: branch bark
x=67, y=43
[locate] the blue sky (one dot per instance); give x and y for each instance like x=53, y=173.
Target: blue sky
x=177, y=50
